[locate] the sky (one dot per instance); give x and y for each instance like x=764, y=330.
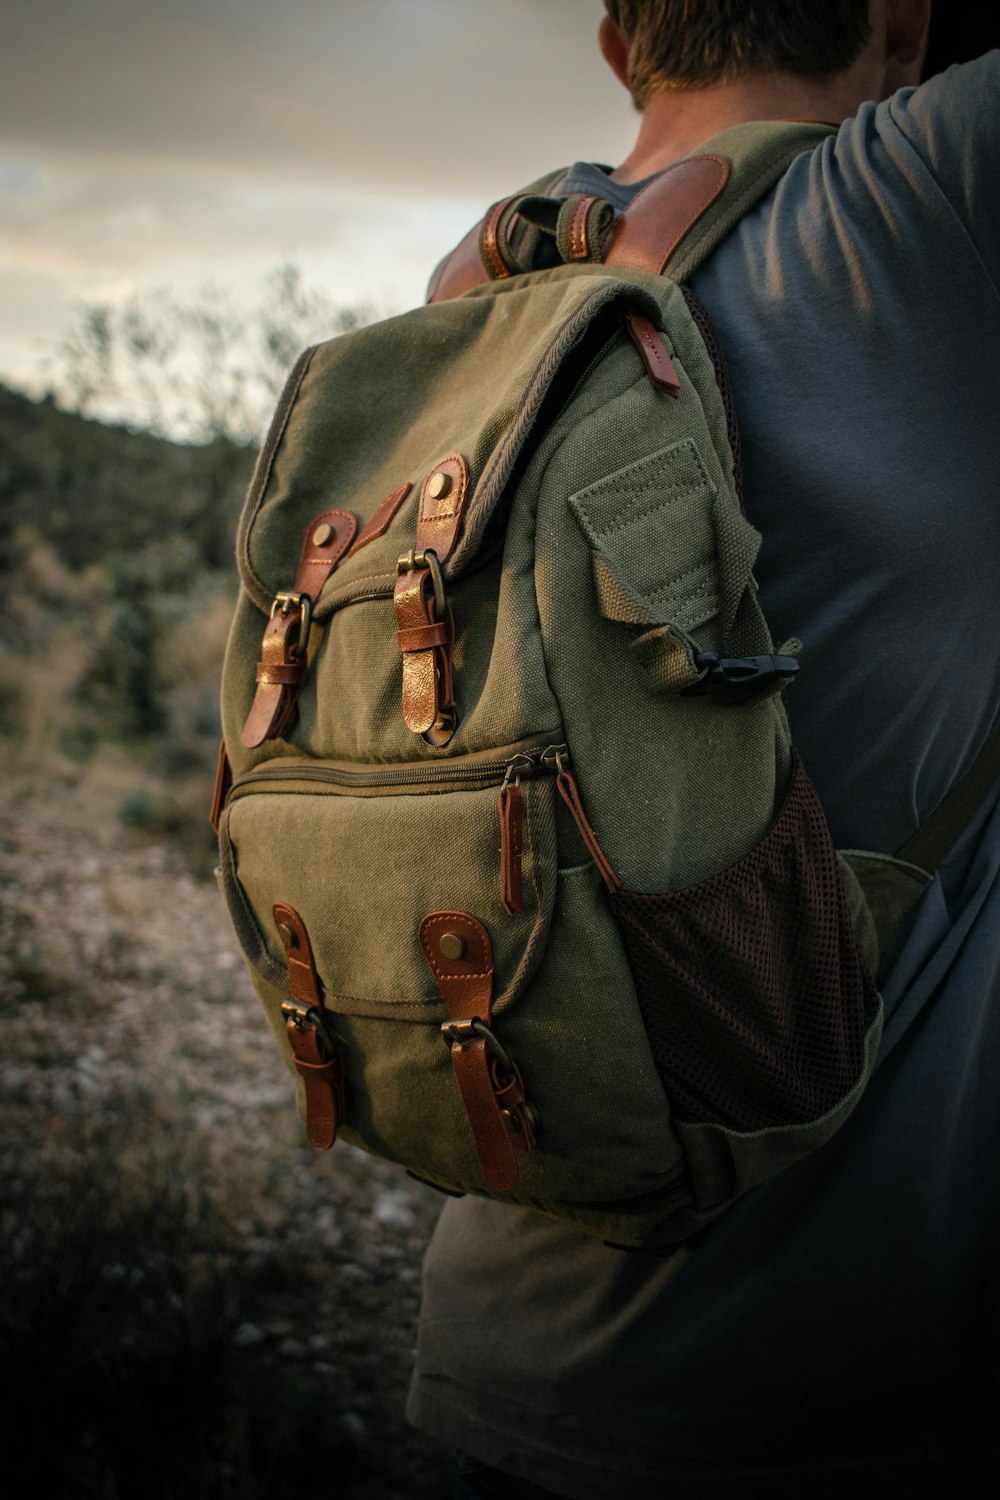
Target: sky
x=164, y=143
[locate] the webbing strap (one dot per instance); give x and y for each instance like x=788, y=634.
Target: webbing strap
x=938, y=835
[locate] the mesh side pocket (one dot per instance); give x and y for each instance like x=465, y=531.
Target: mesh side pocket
x=752, y=987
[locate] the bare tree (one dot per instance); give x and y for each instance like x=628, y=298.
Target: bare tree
x=199, y=368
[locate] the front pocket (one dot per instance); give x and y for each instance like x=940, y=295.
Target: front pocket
x=364, y=863
x=755, y=996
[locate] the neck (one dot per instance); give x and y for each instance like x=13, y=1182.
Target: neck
x=675, y=122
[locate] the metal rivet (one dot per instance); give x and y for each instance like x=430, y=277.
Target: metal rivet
x=451, y=945
x=439, y=484
x=322, y=534
x=287, y=935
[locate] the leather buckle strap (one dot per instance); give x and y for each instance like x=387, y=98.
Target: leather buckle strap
x=314, y=1048
x=458, y=951
x=283, y=665
x=425, y=627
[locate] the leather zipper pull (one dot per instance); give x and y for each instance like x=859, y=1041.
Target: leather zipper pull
x=570, y=793
x=659, y=365
x=221, y=790
x=511, y=807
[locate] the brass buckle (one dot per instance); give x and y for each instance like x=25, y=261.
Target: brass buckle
x=286, y=600
x=412, y=560
x=468, y=1030
x=310, y=1016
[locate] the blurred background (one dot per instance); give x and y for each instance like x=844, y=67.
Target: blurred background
x=193, y=1303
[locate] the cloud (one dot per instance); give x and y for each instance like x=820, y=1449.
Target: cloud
x=179, y=139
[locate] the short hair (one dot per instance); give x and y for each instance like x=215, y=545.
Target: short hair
x=689, y=44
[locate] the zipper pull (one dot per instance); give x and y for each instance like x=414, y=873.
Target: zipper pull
x=558, y=755
x=511, y=808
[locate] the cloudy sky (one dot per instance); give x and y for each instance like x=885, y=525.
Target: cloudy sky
x=146, y=143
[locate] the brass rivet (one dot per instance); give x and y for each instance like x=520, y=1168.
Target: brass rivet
x=287, y=935
x=451, y=945
x=322, y=534
x=439, y=484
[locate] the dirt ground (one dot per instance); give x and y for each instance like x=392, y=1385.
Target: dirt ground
x=204, y=1304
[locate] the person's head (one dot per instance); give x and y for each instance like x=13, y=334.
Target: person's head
x=656, y=45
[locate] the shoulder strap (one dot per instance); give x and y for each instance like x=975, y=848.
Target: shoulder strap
x=938, y=835
x=465, y=267
x=679, y=217
x=671, y=224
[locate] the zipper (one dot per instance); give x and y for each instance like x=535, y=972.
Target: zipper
x=506, y=769
x=532, y=758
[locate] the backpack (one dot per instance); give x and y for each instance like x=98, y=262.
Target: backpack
x=531, y=883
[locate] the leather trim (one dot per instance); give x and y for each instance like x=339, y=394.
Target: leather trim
x=427, y=679
x=316, y=1059
x=438, y=519
x=466, y=983
x=220, y=791
x=283, y=667
x=577, y=236
x=317, y=562
x=511, y=809
x=489, y=248
x=381, y=519
x=423, y=637
x=460, y=271
x=648, y=231
x=659, y=365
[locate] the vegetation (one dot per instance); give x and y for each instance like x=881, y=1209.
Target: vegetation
x=192, y=1303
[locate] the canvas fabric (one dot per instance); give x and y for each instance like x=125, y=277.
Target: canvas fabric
x=603, y=546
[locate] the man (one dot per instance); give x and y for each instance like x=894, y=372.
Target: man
x=829, y=1334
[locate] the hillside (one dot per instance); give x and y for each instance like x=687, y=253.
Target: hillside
x=106, y=538
x=169, y=1246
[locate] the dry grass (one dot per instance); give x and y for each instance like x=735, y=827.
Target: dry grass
x=192, y=1303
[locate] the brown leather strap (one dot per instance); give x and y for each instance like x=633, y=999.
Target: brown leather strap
x=649, y=229
x=313, y=1050
x=381, y=519
x=425, y=627
x=427, y=678
x=283, y=666
x=460, y=271
x=659, y=365
x=489, y=246
x=460, y=956
x=577, y=247
x=442, y=500
x=423, y=637
x=220, y=791
x=511, y=807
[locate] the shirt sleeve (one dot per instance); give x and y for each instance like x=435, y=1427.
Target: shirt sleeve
x=953, y=123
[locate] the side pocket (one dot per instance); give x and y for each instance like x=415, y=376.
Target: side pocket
x=670, y=554
x=755, y=995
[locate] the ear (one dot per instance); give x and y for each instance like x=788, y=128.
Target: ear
x=909, y=21
x=613, y=49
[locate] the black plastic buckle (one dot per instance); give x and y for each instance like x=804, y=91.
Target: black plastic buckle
x=737, y=679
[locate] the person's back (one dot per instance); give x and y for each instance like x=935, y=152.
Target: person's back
x=829, y=1331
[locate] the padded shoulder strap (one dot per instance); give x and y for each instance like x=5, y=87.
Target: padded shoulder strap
x=464, y=268
x=682, y=213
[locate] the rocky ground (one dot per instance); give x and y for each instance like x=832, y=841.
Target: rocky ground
x=193, y=1302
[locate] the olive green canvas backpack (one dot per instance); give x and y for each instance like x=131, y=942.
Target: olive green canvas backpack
x=532, y=886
